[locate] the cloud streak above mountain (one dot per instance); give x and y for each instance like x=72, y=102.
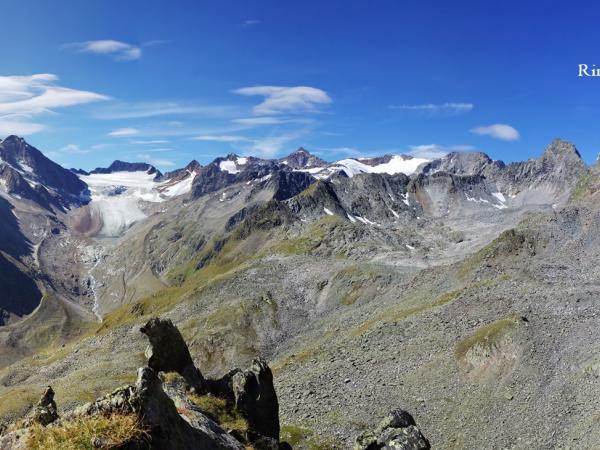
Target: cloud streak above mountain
x=498, y=131
x=281, y=100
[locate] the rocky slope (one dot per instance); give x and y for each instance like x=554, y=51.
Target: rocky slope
x=408, y=283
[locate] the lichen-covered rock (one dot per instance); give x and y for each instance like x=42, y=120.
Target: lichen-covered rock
x=168, y=352
x=45, y=411
x=398, y=431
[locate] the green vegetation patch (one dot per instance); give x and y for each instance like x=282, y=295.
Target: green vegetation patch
x=311, y=239
x=510, y=242
x=398, y=314
x=487, y=336
x=221, y=412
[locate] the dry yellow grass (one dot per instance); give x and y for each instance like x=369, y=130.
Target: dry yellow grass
x=79, y=434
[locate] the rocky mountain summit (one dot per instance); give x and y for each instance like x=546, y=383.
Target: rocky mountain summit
x=122, y=166
x=367, y=284
x=27, y=173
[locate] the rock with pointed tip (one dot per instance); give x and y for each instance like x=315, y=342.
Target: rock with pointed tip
x=168, y=352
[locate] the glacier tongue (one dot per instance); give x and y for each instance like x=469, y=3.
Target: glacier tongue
x=117, y=197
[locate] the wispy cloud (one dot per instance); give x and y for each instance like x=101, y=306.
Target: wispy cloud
x=280, y=99
x=19, y=127
x=250, y=22
x=120, y=132
x=222, y=138
x=24, y=97
x=151, y=142
x=498, y=131
x=155, y=109
x=155, y=161
x=346, y=151
x=440, y=108
x=259, y=121
x=269, y=146
x=432, y=151
x=118, y=50
x=73, y=149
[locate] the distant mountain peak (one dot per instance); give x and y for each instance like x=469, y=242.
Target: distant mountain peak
x=302, y=159
x=560, y=148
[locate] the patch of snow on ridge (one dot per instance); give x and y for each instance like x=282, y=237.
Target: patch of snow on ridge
x=328, y=212
x=182, y=187
x=231, y=166
x=228, y=166
x=397, y=164
x=499, y=196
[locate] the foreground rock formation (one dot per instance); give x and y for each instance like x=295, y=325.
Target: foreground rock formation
x=170, y=405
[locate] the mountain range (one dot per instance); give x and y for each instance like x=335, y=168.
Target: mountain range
x=461, y=288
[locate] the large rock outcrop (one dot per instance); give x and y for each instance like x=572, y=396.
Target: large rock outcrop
x=250, y=392
x=168, y=352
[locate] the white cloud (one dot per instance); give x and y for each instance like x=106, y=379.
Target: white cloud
x=498, y=131
x=119, y=132
x=119, y=51
x=223, y=138
x=280, y=99
x=445, y=108
x=24, y=97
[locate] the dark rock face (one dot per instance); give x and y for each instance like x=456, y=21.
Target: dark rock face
x=289, y=184
x=256, y=399
x=20, y=293
x=168, y=352
x=397, y=431
x=210, y=179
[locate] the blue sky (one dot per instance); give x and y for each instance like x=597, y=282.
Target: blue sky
x=88, y=82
